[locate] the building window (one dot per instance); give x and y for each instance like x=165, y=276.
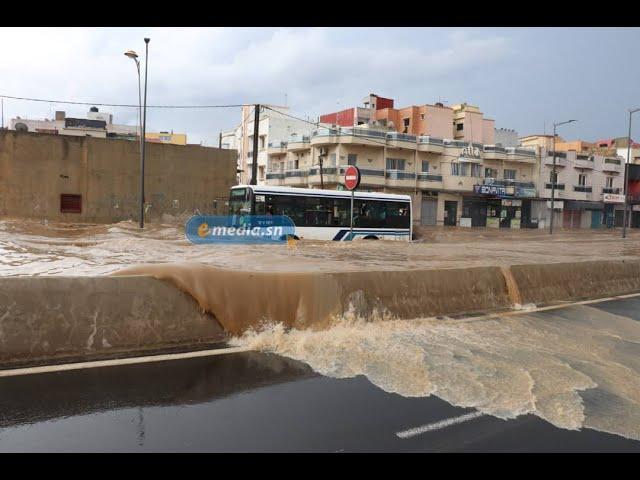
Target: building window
x=395, y=163
x=509, y=174
x=609, y=182
x=405, y=121
x=490, y=173
x=476, y=170
x=459, y=127
x=422, y=116
x=582, y=180
x=425, y=166
x=332, y=159
x=70, y=203
x=352, y=159
x=262, y=141
x=455, y=169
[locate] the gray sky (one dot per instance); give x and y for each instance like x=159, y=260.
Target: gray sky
x=523, y=78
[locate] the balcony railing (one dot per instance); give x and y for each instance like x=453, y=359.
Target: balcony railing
x=401, y=136
x=611, y=190
x=400, y=175
x=427, y=177
x=494, y=148
x=275, y=175
x=559, y=186
x=582, y=188
x=558, y=154
x=521, y=151
x=430, y=140
x=277, y=144
x=295, y=173
x=325, y=171
x=615, y=161
x=303, y=139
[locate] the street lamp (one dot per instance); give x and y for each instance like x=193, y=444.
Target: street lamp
x=554, y=176
x=143, y=116
x=626, y=175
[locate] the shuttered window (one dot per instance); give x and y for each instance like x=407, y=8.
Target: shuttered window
x=70, y=203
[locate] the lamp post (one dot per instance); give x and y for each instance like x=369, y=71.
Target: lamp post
x=134, y=56
x=626, y=175
x=554, y=176
x=143, y=117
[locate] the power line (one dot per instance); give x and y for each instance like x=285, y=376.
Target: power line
x=67, y=102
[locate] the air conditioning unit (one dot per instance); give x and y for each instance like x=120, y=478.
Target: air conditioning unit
x=323, y=151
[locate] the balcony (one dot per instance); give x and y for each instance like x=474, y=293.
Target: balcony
x=559, y=186
x=358, y=136
x=298, y=143
x=427, y=180
x=522, y=155
x=275, y=178
x=430, y=144
x=582, y=189
x=400, y=178
x=612, y=165
x=493, y=152
x=616, y=190
x=330, y=175
x=584, y=161
x=277, y=148
x=560, y=162
x=401, y=140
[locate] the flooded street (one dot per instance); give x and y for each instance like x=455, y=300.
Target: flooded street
x=29, y=247
x=574, y=368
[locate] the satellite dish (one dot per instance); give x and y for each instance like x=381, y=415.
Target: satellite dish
x=21, y=127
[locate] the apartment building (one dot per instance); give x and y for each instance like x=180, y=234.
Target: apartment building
x=275, y=126
x=96, y=124
x=452, y=182
x=463, y=122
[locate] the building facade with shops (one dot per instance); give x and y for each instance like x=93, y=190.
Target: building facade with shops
x=452, y=182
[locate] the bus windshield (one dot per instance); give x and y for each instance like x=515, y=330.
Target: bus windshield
x=240, y=201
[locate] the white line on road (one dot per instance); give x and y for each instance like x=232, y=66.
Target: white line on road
x=120, y=361
x=412, y=432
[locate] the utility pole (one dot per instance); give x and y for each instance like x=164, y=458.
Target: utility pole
x=256, y=131
x=144, y=129
x=554, y=177
x=321, y=177
x=626, y=176
x=220, y=141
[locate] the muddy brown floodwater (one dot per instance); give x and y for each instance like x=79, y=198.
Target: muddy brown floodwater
x=30, y=247
x=578, y=369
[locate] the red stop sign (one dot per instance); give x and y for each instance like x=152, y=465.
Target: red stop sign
x=351, y=177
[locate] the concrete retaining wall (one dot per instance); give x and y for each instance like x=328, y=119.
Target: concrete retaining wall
x=55, y=318
x=44, y=319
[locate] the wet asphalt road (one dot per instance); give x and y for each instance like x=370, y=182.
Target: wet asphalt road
x=247, y=402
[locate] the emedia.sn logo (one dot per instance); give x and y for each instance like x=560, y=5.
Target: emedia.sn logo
x=203, y=229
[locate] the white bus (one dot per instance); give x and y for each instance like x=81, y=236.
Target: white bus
x=325, y=214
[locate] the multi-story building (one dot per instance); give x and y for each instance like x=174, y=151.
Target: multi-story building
x=96, y=124
x=462, y=122
x=506, y=137
x=276, y=126
x=581, y=182
x=452, y=182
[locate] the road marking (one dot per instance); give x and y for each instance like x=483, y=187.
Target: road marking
x=119, y=361
x=412, y=432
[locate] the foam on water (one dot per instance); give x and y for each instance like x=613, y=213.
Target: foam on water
x=576, y=369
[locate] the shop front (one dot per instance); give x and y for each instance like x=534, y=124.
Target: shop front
x=583, y=214
x=498, y=206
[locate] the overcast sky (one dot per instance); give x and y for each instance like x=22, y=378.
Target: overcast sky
x=523, y=78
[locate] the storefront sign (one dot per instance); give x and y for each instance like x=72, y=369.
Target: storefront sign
x=470, y=151
x=613, y=198
x=526, y=192
x=495, y=190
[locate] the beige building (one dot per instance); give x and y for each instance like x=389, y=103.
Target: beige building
x=452, y=182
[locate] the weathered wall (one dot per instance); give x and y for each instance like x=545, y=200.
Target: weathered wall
x=36, y=168
x=53, y=318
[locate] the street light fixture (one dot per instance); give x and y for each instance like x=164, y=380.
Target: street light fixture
x=626, y=175
x=143, y=118
x=554, y=176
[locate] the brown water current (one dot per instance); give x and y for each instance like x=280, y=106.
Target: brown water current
x=330, y=305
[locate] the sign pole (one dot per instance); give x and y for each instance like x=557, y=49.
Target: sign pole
x=353, y=193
